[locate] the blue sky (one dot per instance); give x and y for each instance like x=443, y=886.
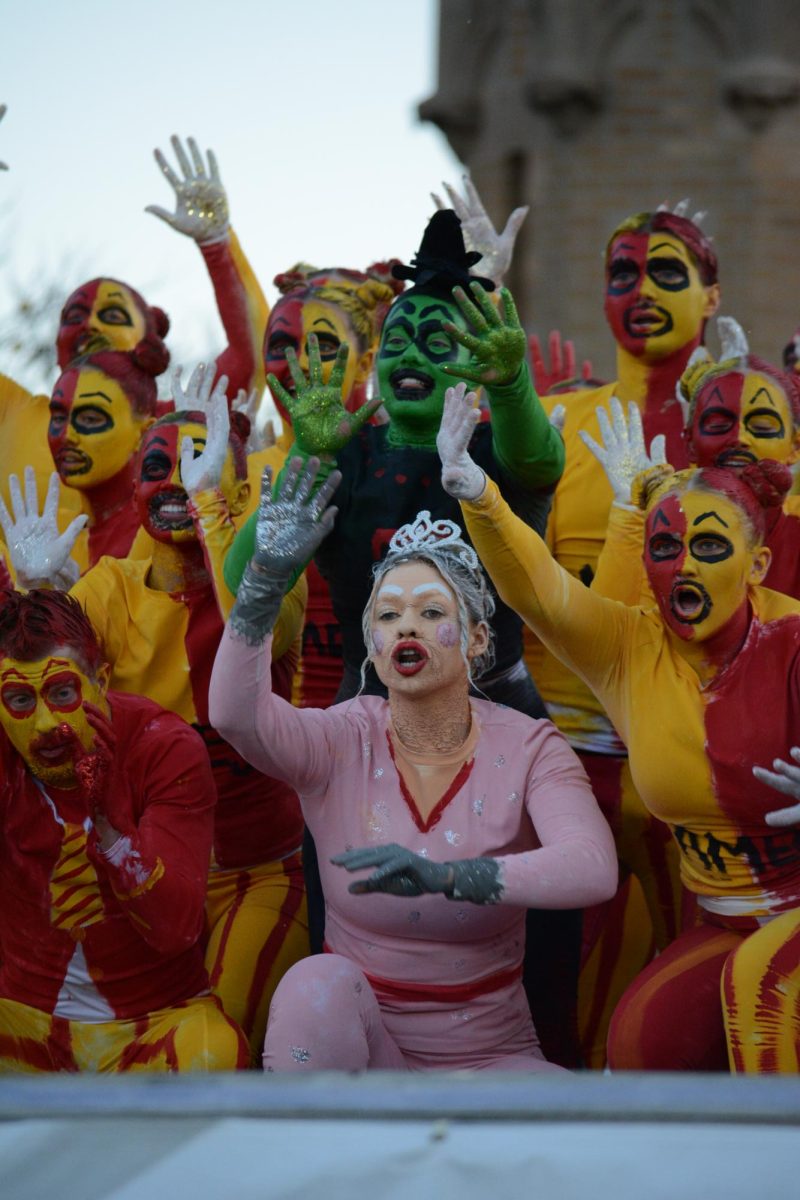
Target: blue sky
x=309, y=106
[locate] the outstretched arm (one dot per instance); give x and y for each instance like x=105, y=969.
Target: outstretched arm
x=296, y=745
x=587, y=632
x=201, y=213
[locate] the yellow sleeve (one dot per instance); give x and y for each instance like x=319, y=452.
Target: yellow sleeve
x=289, y=624
x=587, y=632
x=98, y=592
x=620, y=573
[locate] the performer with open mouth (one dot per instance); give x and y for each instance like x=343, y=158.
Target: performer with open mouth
x=457, y=813
x=701, y=688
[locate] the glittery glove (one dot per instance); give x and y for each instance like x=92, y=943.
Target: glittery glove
x=497, y=342
x=321, y=423
x=3, y=166
x=201, y=204
x=623, y=455
x=461, y=477
x=39, y=554
x=496, y=249
x=201, y=469
x=289, y=528
x=562, y=367
x=401, y=872
x=785, y=777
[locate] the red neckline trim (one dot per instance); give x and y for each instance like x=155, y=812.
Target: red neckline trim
x=436, y=814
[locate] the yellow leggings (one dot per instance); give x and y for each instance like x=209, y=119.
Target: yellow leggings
x=193, y=1036
x=257, y=929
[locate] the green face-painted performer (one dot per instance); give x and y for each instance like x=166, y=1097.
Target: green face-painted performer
x=445, y=328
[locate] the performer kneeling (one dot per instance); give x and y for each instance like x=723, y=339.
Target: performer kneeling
x=468, y=811
x=106, y=811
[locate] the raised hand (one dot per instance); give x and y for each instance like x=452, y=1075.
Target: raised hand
x=623, y=455
x=562, y=367
x=257, y=439
x=321, y=423
x=3, y=166
x=497, y=341
x=785, y=777
x=461, y=477
x=196, y=395
x=496, y=249
x=201, y=203
x=291, y=524
x=98, y=771
x=39, y=554
x=198, y=474
x=400, y=872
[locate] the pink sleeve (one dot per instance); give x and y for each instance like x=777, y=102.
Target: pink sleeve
x=577, y=862
x=295, y=745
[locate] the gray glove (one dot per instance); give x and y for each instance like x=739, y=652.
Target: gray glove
x=401, y=872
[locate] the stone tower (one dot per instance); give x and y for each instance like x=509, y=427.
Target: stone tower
x=589, y=110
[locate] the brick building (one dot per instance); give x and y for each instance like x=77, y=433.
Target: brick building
x=589, y=110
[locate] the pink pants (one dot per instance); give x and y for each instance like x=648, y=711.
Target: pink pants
x=326, y=1017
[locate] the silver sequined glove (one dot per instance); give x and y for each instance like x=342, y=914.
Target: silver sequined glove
x=289, y=528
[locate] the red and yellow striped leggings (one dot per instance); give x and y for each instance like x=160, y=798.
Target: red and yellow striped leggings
x=193, y=1036
x=716, y=998
x=257, y=928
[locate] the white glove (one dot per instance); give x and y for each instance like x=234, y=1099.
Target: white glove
x=201, y=203
x=733, y=341
x=39, y=554
x=461, y=477
x=785, y=778
x=197, y=395
x=623, y=455
x=259, y=438
x=496, y=249
x=3, y=166
x=557, y=417
x=204, y=472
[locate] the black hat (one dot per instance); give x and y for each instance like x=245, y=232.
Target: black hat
x=442, y=261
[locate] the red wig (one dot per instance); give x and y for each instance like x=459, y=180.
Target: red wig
x=33, y=624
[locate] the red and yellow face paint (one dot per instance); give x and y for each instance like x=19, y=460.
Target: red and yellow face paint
x=656, y=302
x=160, y=495
x=102, y=315
x=740, y=417
x=699, y=562
x=290, y=322
x=37, y=701
x=93, y=431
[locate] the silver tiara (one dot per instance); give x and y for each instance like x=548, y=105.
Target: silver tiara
x=425, y=534
x=681, y=209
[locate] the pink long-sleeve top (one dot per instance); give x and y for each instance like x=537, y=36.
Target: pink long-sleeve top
x=525, y=801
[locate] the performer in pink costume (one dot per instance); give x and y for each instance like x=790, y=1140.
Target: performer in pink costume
x=469, y=811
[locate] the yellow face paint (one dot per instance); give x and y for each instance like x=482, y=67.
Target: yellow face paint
x=656, y=302
x=739, y=418
x=37, y=699
x=93, y=431
x=103, y=315
x=699, y=562
x=160, y=494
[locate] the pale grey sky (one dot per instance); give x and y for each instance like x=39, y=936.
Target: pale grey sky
x=309, y=106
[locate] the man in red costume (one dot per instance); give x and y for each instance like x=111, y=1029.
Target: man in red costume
x=107, y=811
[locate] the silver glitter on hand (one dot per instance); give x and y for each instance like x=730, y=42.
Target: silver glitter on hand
x=300, y=1054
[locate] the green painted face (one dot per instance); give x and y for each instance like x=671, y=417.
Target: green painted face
x=413, y=348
